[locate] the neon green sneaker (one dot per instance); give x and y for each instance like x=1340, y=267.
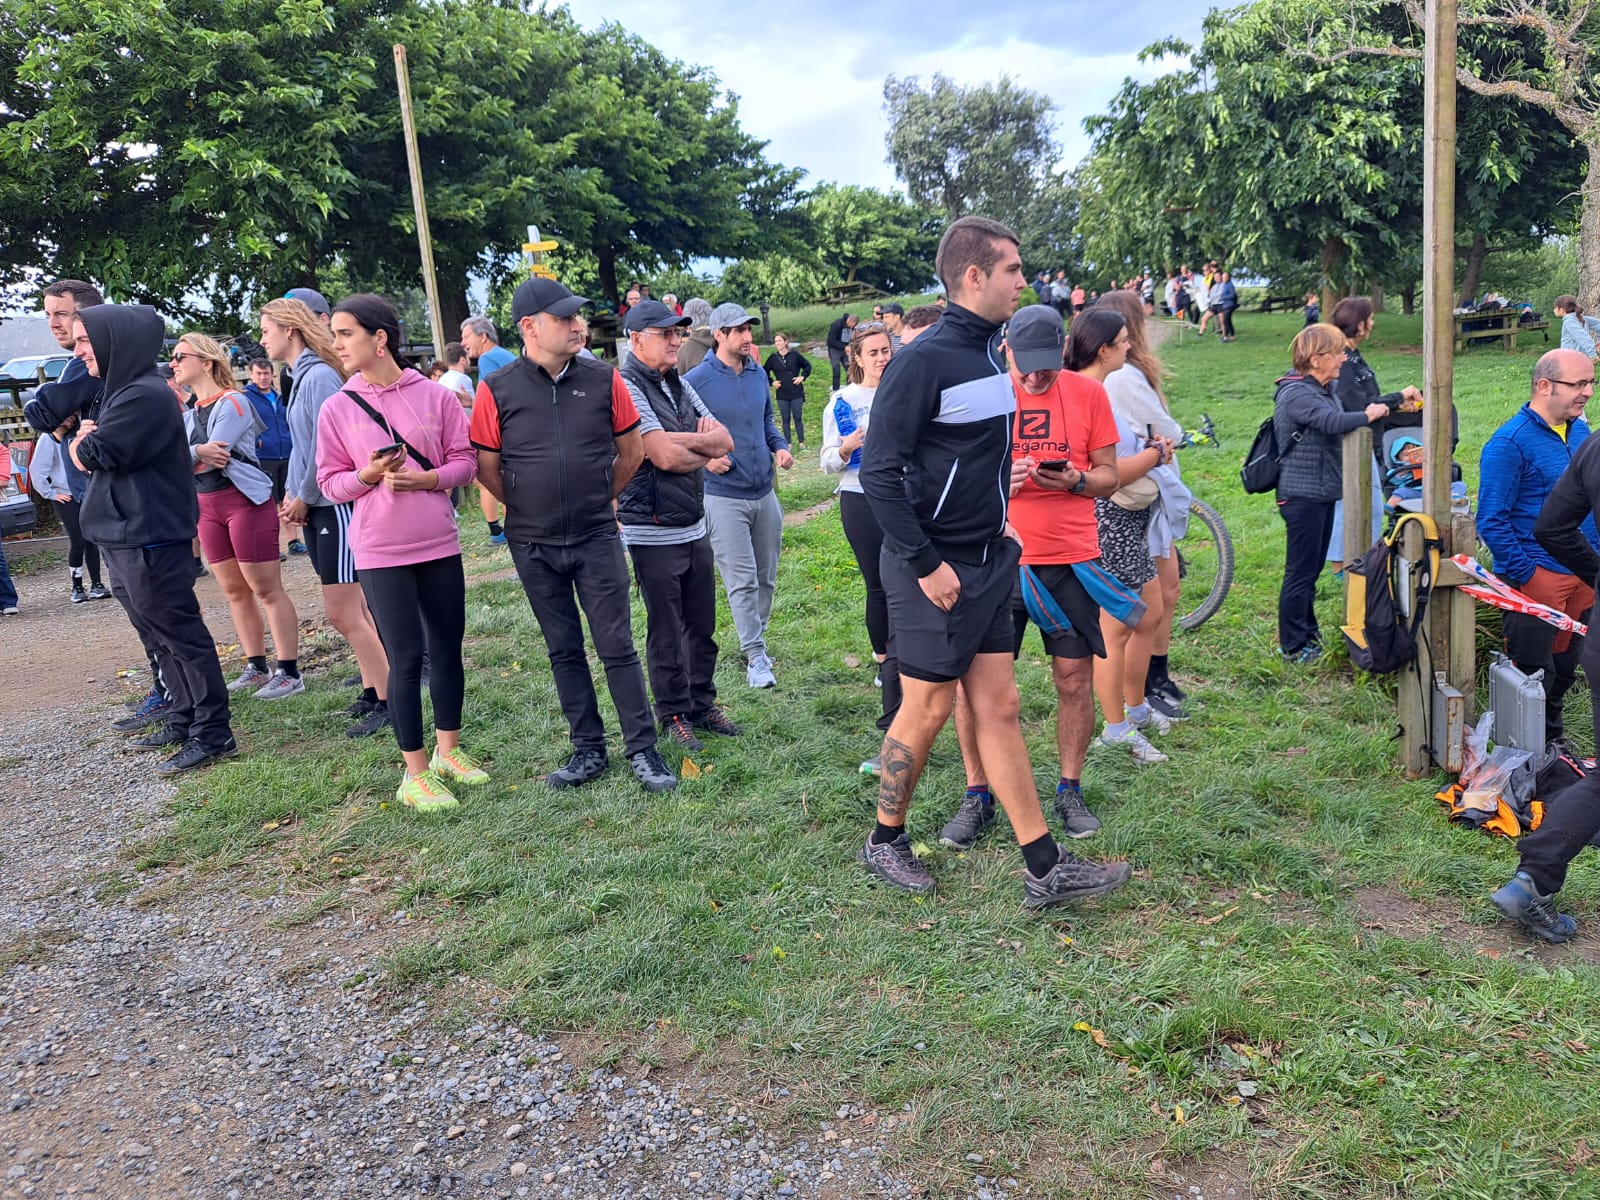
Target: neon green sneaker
x=457, y=764
x=426, y=793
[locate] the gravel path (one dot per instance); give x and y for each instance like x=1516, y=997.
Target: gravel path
x=169, y=1035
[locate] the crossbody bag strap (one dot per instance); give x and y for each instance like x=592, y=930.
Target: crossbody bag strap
x=377, y=416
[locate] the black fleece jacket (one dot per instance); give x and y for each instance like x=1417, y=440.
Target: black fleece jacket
x=141, y=482
x=936, y=467
x=1574, y=499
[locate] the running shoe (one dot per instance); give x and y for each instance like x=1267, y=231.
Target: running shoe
x=162, y=736
x=1154, y=723
x=1168, y=708
x=251, y=680
x=99, y=591
x=583, y=767
x=1075, y=816
x=1307, y=654
x=1521, y=901
x=759, y=672
x=193, y=756
x=151, y=709
x=896, y=864
x=715, y=720
x=1072, y=879
x=1136, y=744
x=497, y=539
x=457, y=764
x=680, y=733
x=426, y=793
x=9, y=610
x=973, y=819
x=1167, y=688
x=360, y=708
x=297, y=547
x=652, y=771
x=281, y=684
x=78, y=594
x=375, y=720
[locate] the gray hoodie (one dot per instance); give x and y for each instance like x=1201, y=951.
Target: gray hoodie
x=314, y=382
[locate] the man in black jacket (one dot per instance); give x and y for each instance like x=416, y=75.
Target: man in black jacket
x=140, y=509
x=937, y=470
x=838, y=342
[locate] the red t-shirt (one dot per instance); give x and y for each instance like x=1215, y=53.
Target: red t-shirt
x=485, y=428
x=1070, y=421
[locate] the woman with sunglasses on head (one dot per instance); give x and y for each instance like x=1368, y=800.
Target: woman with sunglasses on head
x=392, y=444
x=238, y=520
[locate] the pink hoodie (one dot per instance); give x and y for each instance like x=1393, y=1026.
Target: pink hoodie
x=395, y=529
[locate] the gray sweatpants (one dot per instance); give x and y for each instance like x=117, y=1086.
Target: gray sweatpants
x=745, y=538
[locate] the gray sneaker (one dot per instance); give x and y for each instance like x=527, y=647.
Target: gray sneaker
x=1075, y=816
x=1073, y=879
x=652, y=771
x=972, y=820
x=251, y=679
x=896, y=864
x=759, y=672
x=280, y=685
x=581, y=768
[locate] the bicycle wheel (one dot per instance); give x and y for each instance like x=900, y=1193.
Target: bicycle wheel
x=1205, y=566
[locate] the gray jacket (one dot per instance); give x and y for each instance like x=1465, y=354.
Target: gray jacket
x=314, y=382
x=1313, y=467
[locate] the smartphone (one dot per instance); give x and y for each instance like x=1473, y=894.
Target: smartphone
x=1054, y=464
x=386, y=451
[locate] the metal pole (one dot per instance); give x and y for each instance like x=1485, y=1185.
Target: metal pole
x=419, y=202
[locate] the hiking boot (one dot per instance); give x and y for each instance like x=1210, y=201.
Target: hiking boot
x=426, y=793
x=680, y=733
x=374, y=721
x=99, y=591
x=896, y=864
x=250, y=679
x=873, y=765
x=1154, y=723
x=1135, y=743
x=972, y=820
x=457, y=764
x=1075, y=816
x=281, y=684
x=164, y=735
x=583, y=767
x=1073, y=879
x=152, y=708
x=1170, y=709
x=715, y=720
x=650, y=769
x=193, y=756
x=1521, y=901
x=759, y=672
x=79, y=596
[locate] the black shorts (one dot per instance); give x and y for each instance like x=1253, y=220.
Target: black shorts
x=937, y=646
x=1084, y=640
x=277, y=470
x=327, y=538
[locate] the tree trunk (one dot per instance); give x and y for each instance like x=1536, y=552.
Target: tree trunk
x=1473, y=275
x=606, y=258
x=1408, y=299
x=850, y=275
x=1377, y=296
x=452, y=311
x=1589, y=234
x=1332, y=255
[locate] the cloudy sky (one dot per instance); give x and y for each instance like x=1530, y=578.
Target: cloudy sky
x=814, y=88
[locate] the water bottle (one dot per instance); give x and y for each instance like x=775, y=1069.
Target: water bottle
x=845, y=418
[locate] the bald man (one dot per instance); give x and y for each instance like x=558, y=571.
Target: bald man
x=1519, y=469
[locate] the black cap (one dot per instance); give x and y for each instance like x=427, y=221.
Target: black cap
x=1036, y=338
x=652, y=314
x=544, y=296
x=896, y=309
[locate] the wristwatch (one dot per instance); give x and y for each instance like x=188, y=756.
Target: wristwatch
x=1083, y=482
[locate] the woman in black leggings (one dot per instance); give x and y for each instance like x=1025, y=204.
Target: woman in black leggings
x=49, y=476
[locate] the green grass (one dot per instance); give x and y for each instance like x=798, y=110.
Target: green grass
x=811, y=322
x=730, y=915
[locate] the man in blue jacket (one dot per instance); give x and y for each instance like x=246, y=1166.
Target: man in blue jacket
x=742, y=511
x=1518, y=471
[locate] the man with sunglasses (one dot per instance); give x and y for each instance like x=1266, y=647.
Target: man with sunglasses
x=1519, y=469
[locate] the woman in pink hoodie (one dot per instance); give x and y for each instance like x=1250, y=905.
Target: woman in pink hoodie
x=393, y=444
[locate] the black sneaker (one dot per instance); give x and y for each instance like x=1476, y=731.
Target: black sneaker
x=1168, y=690
x=583, y=767
x=1073, y=879
x=1075, y=816
x=193, y=756
x=680, y=733
x=715, y=720
x=972, y=820
x=896, y=864
x=651, y=770
x=376, y=720
x=99, y=591
x=164, y=735
x=360, y=708
x=1166, y=706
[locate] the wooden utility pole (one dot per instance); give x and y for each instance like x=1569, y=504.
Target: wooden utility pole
x=419, y=202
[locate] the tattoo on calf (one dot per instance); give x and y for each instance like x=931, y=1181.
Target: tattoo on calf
x=897, y=778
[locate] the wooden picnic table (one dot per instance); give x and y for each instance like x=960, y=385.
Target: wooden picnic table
x=1499, y=324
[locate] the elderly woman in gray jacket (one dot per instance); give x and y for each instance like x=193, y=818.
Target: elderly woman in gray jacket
x=1310, y=424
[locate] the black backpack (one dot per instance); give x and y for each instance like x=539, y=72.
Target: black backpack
x=1378, y=638
x=1264, y=462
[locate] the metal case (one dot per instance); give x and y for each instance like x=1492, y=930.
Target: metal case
x=1517, y=701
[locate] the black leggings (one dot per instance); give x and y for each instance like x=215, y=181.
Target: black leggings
x=791, y=406
x=421, y=607
x=79, y=552
x=865, y=535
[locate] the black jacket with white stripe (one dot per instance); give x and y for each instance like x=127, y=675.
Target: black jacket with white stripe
x=936, y=466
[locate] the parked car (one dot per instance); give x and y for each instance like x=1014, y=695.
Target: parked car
x=34, y=369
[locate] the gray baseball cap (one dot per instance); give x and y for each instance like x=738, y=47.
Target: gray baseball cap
x=311, y=298
x=730, y=316
x=1037, y=339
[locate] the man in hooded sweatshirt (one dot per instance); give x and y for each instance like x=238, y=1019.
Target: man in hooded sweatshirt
x=140, y=509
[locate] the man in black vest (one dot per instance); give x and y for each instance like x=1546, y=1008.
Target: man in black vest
x=662, y=511
x=557, y=439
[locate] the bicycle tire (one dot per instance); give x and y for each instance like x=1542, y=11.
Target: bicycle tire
x=1213, y=545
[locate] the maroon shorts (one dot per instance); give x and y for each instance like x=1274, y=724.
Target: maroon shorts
x=232, y=527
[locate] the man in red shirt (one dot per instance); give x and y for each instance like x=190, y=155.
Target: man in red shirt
x=1064, y=454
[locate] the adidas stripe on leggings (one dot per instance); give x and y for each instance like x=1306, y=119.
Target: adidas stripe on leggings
x=420, y=607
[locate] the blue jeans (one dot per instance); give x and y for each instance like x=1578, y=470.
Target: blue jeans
x=8, y=590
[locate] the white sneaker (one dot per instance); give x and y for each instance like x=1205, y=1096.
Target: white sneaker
x=1156, y=722
x=759, y=672
x=1136, y=744
x=280, y=685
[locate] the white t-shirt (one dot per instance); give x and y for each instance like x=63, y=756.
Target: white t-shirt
x=459, y=383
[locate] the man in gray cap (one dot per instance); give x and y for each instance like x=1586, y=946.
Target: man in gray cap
x=557, y=437
x=894, y=320
x=742, y=511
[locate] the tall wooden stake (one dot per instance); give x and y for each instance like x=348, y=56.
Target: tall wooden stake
x=419, y=202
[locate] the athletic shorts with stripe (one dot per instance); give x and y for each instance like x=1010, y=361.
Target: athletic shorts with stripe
x=327, y=537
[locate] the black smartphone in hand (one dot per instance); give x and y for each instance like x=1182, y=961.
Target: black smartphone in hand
x=1054, y=464
x=386, y=451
